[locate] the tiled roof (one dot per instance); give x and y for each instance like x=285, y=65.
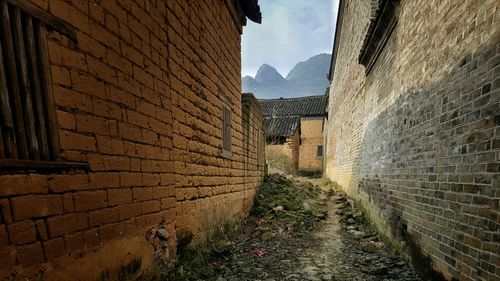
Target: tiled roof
x=303, y=107
x=383, y=19
x=251, y=9
x=284, y=126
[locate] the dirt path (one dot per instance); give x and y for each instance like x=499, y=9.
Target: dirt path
x=334, y=250
x=338, y=255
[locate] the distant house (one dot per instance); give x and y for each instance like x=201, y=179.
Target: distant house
x=294, y=131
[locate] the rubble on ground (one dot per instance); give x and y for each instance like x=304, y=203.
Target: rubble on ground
x=297, y=231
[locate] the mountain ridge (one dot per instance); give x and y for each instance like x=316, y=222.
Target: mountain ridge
x=306, y=78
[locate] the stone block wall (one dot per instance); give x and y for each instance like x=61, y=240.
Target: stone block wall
x=311, y=136
x=138, y=97
x=417, y=138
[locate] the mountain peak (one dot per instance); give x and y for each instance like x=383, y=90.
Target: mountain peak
x=311, y=67
x=268, y=74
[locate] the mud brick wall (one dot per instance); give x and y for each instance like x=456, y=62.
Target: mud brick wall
x=253, y=148
x=311, y=135
x=287, y=154
x=417, y=139
x=139, y=98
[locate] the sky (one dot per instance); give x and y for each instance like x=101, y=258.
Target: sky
x=291, y=31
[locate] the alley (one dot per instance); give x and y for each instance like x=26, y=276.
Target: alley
x=155, y=140
x=339, y=245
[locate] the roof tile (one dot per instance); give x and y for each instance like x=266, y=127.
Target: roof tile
x=303, y=107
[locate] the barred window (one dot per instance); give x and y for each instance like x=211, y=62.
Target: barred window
x=27, y=123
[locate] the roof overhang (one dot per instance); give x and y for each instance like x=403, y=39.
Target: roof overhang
x=338, y=30
x=251, y=10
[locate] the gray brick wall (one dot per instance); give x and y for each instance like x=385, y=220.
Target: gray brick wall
x=417, y=140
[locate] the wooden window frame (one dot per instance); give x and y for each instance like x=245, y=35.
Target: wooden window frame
x=227, y=112
x=31, y=141
x=319, y=148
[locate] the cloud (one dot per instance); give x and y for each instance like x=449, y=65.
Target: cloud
x=291, y=31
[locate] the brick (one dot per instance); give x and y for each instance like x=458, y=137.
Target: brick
x=63, y=183
x=81, y=142
x=105, y=37
x=97, y=13
x=163, y=191
x=110, y=231
x=131, y=179
x=30, y=254
x=71, y=99
x=104, y=144
x=91, y=238
x=151, y=179
x=22, y=184
x=142, y=194
x=66, y=120
x=65, y=224
x=119, y=196
x=116, y=163
x=33, y=206
x=167, y=179
x=74, y=242
x=7, y=261
x=6, y=215
x=104, y=180
x=150, y=206
x=63, y=56
x=168, y=203
x=68, y=204
x=4, y=237
x=102, y=70
x=41, y=230
x=22, y=232
x=135, y=164
x=127, y=211
x=91, y=45
x=92, y=124
x=60, y=75
x=104, y=216
x=88, y=85
x=119, y=62
x=68, y=13
x=54, y=248
x=90, y=200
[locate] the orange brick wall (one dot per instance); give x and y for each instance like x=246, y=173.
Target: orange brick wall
x=311, y=136
x=287, y=153
x=139, y=98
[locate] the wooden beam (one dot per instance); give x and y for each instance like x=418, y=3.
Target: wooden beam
x=9, y=138
x=38, y=102
x=2, y=152
x=52, y=21
x=47, y=93
x=14, y=82
x=22, y=63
